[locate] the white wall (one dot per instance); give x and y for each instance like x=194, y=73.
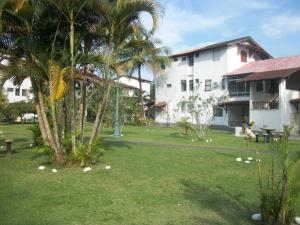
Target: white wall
x=12, y=97
x=135, y=83
x=205, y=67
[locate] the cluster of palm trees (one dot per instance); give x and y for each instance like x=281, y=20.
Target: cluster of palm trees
x=62, y=45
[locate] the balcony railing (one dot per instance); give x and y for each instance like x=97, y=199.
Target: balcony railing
x=265, y=105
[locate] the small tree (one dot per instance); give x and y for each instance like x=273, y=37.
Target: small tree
x=185, y=125
x=279, y=192
x=201, y=111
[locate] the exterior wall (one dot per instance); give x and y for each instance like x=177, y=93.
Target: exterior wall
x=288, y=111
x=275, y=118
x=135, y=83
x=204, y=68
x=12, y=97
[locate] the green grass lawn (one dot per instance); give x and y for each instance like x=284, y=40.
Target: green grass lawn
x=157, y=177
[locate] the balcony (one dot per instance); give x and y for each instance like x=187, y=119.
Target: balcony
x=265, y=105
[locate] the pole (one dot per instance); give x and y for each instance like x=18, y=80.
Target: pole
x=117, y=132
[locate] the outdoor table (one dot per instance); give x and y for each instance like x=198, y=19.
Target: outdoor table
x=269, y=132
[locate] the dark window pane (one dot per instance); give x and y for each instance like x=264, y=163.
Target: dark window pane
x=169, y=85
x=191, y=84
x=223, y=84
x=259, y=86
x=10, y=90
x=191, y=60
x=183, y=85
x=175, y=59
x=183, y=58
x=197, y=81
x=217, y=111
x=24, y=92
x=243, y=56
x=17, y=92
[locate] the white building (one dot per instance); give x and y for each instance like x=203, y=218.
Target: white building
x=134, y=82
x=208, y=71
x=16, y=93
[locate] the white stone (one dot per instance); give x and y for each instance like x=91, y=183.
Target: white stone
x=86, y=169
x=30, y=145
x=297, y=220
x=206, y=141
x=239, y=159
x=121, y=135
x=210, y=140
x=1, y=132
x=192, y=139
x=250, y=158
x=2, y=147
x=247, y=161
x=256, y=217
x=257, y=160
x=54, y=170
x=107, y=167
x=41, y=167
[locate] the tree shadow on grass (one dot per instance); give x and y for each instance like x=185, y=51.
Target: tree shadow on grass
x=113, y=145
x=229, y=208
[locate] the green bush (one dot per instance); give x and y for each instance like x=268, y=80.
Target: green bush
x=36, y=135
x=279, y=192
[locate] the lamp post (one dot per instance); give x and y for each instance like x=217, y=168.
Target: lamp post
x=117, y=132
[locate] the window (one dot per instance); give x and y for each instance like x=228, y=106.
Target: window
x=207, y=85
x=243, y=56
x=197, y=54
x=24, y=92
x=191, y=84
x=259, y=86
x=197, y=81
x=218, y=111
x=191, y=60
x=175, y=59
x=17, y=92
x=169, y=85
x=183, y=85
x=238, y=88
x=216, y=54
x=274, y=86
x=10, y=90
x=223, y=84
x=183, y=58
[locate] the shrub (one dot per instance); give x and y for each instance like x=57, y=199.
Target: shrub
x=278, y=193
x=36, y=135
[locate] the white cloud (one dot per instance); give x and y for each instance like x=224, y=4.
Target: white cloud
x=281, y=25
x=178, y=23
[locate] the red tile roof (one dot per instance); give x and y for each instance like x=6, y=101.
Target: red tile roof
x=262, y=66
x=272, y=74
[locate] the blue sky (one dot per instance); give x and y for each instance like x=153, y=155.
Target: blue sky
x=187, y=24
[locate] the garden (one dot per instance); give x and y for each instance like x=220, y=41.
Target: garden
x=156, y=176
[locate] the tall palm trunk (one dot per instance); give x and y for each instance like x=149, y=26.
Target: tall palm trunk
x=99, y=118
x=72, y=85
x=82, y=109
x=141, y=95
x=44, y=123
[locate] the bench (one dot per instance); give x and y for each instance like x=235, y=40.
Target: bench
x=279, y=135
x=260, y=134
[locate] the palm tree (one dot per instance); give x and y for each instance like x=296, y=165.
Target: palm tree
x=25, y=42
x=120, y=21
x=149, y=56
